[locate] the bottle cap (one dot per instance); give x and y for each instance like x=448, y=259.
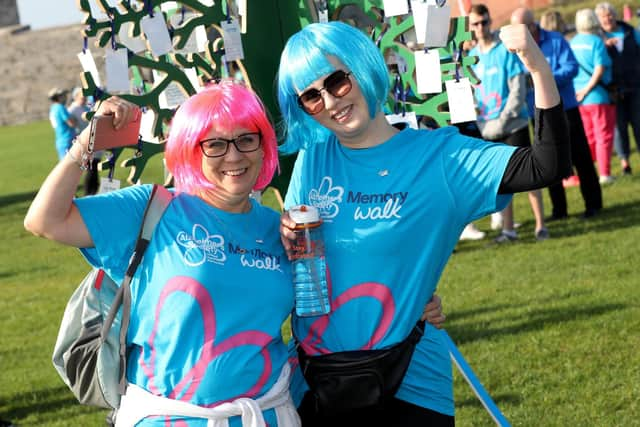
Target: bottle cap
x=304, y=214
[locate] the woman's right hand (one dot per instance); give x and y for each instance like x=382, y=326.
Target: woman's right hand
x=122, y=111
x=286, y=232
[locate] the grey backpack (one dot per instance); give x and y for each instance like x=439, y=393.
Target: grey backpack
x=90, y=351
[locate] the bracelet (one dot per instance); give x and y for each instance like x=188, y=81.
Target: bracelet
x=84, y=162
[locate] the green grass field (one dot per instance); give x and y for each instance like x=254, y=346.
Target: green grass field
x=552, y=329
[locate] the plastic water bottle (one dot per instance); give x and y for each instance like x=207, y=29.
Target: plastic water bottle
x=308, y=263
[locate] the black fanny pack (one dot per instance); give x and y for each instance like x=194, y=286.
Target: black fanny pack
x=349, y=380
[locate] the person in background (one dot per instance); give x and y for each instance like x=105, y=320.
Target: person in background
x=596, y=108
x=623, y=45
x=62, y=122
x=77, y=108
x=393, y=204
x=564, y=68
x=501, y=101
x=214, y=288
x=552, y=20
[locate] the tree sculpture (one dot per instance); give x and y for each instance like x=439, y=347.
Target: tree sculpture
x=268, y=24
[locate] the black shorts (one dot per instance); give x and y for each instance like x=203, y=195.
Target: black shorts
x=396, y=413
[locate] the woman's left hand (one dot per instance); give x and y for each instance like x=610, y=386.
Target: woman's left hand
x=433, y=312
x=518, y=39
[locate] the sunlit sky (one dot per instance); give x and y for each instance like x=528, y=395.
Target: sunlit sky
x=48, y=13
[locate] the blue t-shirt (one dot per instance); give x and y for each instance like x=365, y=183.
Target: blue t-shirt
x=494, y=69
x=590, y=51
x=208, y=299
x=392, y=217
x=58, y=116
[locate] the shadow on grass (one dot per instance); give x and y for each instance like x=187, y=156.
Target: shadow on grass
x=614, y=217
x=50, y=400
x=10, y=199
x=532, y=321
x=497, y=399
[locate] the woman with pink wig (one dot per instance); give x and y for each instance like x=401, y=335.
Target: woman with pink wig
x=213, y=290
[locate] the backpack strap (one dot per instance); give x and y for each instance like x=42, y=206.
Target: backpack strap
x=158, y=201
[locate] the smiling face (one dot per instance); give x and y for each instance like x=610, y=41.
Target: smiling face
x=233, y=174
x=346, y=116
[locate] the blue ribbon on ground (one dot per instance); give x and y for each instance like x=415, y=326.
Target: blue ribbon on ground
x=475, y=384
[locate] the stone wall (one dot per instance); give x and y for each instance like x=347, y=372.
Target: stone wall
x=31, y=63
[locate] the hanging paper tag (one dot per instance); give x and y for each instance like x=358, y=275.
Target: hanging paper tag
x=89, y=65
x=395, y=7
x=232, y=40
x=409, y=118
x=196, y=43
x=107, y=185
x=323, y=16
x=192, y=75
x=438, y=19
x=172, y=96
x=116, y=65
x=125, y=35
x=419, y=11
x=169, y=6
x=147, y=125
x=208, y=2
x=157, y=34
x=461, y=103
x=428, y=74
x=97, y=12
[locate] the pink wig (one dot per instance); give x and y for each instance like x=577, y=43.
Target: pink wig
x=224, y=106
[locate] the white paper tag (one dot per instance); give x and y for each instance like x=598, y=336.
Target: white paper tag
x=172, y=96
x=461, y=103
x=107, y=185
x=116, y=64
x=125, y=35
x=409, y=118
x=157, y=34
x=437, y=30
x=192, y=75
x=89, y=65
x=147, y=124
x=428, y=74
x=232, y=40
x=323, y=16
x=208, y=2
x=196, y=43
x=419, y=11
x=169, y=6
x=395, y=7
x=97, y=12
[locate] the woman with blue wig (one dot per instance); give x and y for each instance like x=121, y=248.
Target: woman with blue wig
x=393, y=203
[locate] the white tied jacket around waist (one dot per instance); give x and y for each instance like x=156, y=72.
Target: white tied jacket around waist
x=137, y=404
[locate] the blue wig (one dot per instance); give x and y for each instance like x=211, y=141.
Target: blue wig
x=304, y=60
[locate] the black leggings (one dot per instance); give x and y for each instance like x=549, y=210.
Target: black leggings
x=396, y=413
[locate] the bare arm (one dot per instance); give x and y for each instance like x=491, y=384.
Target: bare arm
x=517, y=39
x=52, y=213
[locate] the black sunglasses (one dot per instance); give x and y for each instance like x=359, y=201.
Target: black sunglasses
x=484, y=23
x=337, y=84
x=218, y=147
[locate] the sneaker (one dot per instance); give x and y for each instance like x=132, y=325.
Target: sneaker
x=626, y=170
x=590, y=213
x=542, y=234
x=471, y=232
x=606, y=180
x=496, y=221
x=506, y=237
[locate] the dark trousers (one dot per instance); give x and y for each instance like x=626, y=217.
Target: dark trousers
x=396, y=413
x=583, y=163
x=628, y=113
